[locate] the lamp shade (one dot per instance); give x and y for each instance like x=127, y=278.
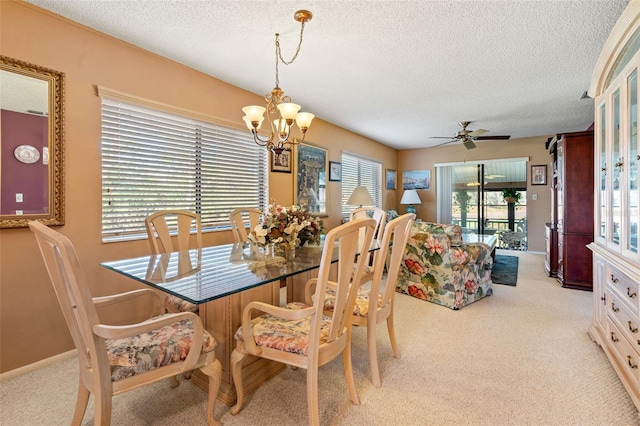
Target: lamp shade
x=360, y=197
x=410, y=196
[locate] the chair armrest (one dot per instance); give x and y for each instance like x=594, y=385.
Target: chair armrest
x=474, y=253
x=310, y=287
x=123, y=331
x=276, y=311
x=102, y=301
x=145, y=303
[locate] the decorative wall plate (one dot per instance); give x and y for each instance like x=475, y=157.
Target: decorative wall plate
x=27, y=154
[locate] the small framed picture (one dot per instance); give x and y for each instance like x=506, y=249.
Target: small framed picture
x=281, y=163
x=390, y=178
x=539, y=175
x=335, y=171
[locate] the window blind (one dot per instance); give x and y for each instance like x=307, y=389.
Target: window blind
x=153, y=160
x=360, y=171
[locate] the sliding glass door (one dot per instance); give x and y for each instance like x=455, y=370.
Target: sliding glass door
x=477, y=201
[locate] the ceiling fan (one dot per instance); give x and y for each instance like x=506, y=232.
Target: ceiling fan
x=468, y=137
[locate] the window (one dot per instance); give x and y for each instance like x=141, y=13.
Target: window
x=360, y=171
x=153, y=160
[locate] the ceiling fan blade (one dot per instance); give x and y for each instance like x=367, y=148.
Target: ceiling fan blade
x=469, y=144
x=478, y=132
x=442, y=137
x=445, y=143
x=493, y=138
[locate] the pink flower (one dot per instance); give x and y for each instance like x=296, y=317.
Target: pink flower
x=433, y=245
x=471, y=286
x=459, y=299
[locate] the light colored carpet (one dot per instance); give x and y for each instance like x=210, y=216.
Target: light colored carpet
x=519, y=357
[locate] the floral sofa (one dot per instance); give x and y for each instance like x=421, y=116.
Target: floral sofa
x=438, y=267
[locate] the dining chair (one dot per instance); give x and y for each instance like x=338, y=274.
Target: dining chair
x=299, y=334
x=160, y=227
x=380, y=216
x=374, y=303
x=115, y=359
x=238, y=224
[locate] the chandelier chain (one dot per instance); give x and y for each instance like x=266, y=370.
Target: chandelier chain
x=279, y=53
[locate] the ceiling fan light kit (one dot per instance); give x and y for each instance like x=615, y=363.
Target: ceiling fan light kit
x=469, y=137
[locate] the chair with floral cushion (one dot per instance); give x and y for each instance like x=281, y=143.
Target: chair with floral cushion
x=438, y=267
x=301, y=335
x=238, y=224
x=115, y=359
x=374, y=303
x=160, y=227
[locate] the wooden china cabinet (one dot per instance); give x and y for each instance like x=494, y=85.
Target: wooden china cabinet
x=616, y=260
x=571, y=228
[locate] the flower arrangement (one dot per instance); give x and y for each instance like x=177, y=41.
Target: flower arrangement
x=293, y=227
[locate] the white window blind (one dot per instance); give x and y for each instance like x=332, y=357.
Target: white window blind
x=360, y=171
x=153, y=160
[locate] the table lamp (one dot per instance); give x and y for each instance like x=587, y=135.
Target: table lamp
x=410, y=197
x=360, y=197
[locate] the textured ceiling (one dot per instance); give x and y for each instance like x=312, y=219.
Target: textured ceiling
x=397, y=71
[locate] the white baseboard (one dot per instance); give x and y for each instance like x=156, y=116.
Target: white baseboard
x=12, y=374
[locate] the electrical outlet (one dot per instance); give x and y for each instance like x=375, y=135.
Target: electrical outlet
x=19, y=198
x=18, y=212
x=534, y=197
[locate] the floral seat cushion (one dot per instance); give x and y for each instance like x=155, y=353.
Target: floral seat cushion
x=361, y=307
x=148, y=351
x=284, y=335
x=176, y=304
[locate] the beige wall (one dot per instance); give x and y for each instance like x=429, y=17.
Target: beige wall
x=538, y=211
x=31, y=325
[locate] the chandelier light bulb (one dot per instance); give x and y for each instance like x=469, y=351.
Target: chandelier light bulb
x=303, y=120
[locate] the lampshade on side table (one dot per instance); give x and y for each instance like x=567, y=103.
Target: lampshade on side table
x=410, y=196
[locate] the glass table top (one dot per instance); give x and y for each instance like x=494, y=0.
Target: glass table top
x=199, y=276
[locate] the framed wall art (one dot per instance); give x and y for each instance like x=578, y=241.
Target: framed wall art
x=416, y=179
x=335, y=171
x=281, y=163
x=539, y=175
x=390, y=178
x=310, y=179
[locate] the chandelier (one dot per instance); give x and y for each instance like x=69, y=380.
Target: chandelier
x=281, y=112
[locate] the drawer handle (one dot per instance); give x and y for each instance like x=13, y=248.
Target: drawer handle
x=604, y=299
x=613, y=307
x=614, y=279
x=632, y=328
x=632, y=365
x=632, y=295
x=615, y=339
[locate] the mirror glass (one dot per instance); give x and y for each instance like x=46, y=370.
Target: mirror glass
x=31, y=144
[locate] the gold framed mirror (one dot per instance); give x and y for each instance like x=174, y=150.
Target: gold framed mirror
x=31, y=144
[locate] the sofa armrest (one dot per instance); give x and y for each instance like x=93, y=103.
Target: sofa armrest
x=471, y=253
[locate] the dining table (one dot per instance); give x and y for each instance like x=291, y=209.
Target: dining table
x=222, y=280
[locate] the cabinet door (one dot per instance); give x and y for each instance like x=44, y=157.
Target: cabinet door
x=601, y=175
x=616, y=175
x=631, y=168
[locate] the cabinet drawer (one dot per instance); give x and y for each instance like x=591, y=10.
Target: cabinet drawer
x=627, y=357
x=624, y=287
x=627, y=323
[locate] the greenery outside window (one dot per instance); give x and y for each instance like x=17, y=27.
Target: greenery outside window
x=154, y=160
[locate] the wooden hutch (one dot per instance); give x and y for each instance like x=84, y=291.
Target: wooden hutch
x=571, y=226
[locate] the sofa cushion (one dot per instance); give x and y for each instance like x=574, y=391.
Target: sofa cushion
x=454, y=232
